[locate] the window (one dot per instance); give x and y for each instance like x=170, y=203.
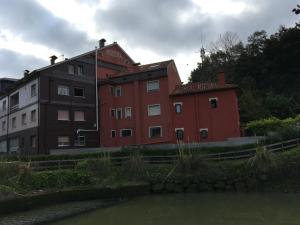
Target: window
x=4, y=105
x=154, y=110
x=203, y=133
x=152, y=85
x=178, y=107
x=63, y=90
x=3, y=146
x=24, y=119
x=118, y=91
x=13, y=122
x=119, y=113
x=80, y=70
x=79, y=92
x=71, y=69
x=126, y=132
x=79, y=116
x=14, y=145
x=33, y=141
x=3, y=125
x=113, y=112
x=33, y=90
x=63, y=141
x=63, y=115
x=33, y=116
x=113, y=133
x=14, y=101
x=112, y=90
x=155, y=132
x=79, y=141
x=213, y=102
x=179, y=133
x=128, y=112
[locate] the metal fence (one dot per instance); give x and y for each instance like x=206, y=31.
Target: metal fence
x=162, y=159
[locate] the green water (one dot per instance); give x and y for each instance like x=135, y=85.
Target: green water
x=198, y=209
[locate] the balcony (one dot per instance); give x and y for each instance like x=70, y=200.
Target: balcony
x=14, y=107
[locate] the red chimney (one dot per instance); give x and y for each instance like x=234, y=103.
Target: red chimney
x=221, y=79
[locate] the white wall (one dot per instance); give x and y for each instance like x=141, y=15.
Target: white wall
x=25, y=94
x=18, y=115
x=3, y=112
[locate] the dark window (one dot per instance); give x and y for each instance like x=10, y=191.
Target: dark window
x=178, y=108
x=33, y=90
x=126, y=132
x=113, y=133
x=203, y=133
x=113, y=112
x=213, y=103
x=79, y=141
x=179, y=134
x=155, y=132
x=119, y=114
x=79, y=92
x=118, y=91
x=112, y=90
x=80, y=70
x=33, y=141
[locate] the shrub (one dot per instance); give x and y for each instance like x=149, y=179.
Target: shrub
x=8, y=170
x=135, y=168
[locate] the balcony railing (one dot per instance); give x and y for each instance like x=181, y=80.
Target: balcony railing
x=14, y=107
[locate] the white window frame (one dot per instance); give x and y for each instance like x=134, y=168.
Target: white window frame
x=62, y=110
x=120, y=110
x=161, y=131
x=116, y=91
x=111, y=131
x=203, y=129
x=33, y=90
x=126, y=129
x=126, y=114
x=78, y=143
x=177, y=129
x=152, y=105
x=63, y=143
x=175, y=104
x=214, y=98
x=152, y=89
x=76, y=120
x=64, y=88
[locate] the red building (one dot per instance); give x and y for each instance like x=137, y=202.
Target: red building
x=147, y=104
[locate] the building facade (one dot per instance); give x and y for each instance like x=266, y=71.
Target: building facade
x=104, y=98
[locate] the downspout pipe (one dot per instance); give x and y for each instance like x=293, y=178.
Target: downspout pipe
x=96, y=90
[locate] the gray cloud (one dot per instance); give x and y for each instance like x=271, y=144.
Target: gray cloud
x=13, y=64
x=36, y=24
x=155, y=24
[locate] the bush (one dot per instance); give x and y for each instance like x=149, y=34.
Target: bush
x=135, y=168
x=8, y=170
x=55, y=179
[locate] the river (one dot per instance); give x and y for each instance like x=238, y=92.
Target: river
x=195, y=209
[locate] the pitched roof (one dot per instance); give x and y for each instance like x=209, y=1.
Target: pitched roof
x=193, y=88
x=144, y=68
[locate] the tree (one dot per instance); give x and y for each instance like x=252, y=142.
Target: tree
x=297, y=10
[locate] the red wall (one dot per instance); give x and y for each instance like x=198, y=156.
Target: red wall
x=222, y=122
x=135, y=95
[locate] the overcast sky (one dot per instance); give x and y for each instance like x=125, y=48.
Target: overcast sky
x=148, y=30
